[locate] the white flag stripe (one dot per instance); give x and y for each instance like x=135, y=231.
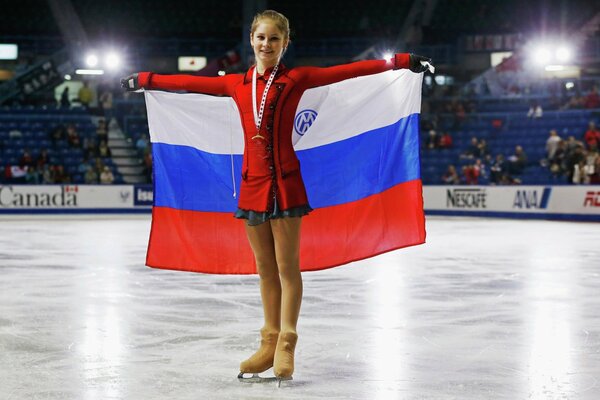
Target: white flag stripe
x=354, y=106
x=344, y=110
x=208, y=123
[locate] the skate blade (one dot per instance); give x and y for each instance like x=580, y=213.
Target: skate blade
x=255, y=378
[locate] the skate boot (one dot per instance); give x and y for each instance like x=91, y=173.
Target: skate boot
x=284, y=356
x=262, y=360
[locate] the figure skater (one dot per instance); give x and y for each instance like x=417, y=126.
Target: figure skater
x=272, y=198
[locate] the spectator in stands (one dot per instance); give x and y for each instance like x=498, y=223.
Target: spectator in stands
x=595, y=177
x=65, y=101
x=60, y=175
x=481, y=169
x=473, y=149
x=43, y=158
x=576, y=101
x=575, y=161
x=589, y=168
x=571, y=145
x=451, y=177
x=26, y=160
x=431, y=142
x=558, y=160
x=102, y=130
x=535, y=110
x=104, y=150
x=446, y=140
x=552, y=144
x=33, y=176
x=483, y=148
x=592, y=100
x=106, y=177
x=592, y=136
x=73, y=137
x=47, y=176
x=85, y=95
x=518, y=161
x=470, y=174
x=91, y=176
x=497, y=170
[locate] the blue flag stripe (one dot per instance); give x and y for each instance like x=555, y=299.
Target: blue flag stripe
x=336, y=173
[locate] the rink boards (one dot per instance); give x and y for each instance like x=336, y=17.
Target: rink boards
x=540, y=202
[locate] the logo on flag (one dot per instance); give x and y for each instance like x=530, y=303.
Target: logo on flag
x=304, y=120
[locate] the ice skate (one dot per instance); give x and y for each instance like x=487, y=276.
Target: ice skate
x=260, y=361
x=284, y=356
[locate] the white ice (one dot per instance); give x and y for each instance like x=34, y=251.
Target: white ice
x=487, y=309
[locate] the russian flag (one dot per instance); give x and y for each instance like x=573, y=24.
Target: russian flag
x=358, y=146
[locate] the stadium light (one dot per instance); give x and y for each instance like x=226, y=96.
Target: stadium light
x=91, y=60
x=67, y=77
x=112, y=61
x=542, y=56
x=387, y=56
x=569, y=85
x=563, y=54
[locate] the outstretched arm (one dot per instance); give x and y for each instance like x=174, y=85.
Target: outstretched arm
x=222, y=85
x=314, y=76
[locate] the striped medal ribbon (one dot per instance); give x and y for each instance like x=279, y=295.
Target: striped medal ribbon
x=258, y=115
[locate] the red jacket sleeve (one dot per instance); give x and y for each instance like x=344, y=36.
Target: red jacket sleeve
x=220, y=86
x=314, y=76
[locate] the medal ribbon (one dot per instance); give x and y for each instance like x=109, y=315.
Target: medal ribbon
x=258, y=115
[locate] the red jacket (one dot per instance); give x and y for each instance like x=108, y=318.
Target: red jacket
x=270, y=166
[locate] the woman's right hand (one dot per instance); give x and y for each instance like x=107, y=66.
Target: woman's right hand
x=130, y=83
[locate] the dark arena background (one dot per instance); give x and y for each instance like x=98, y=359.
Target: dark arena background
x=501, y=302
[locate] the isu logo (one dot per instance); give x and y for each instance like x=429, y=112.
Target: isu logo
x=592, y=199
x=304, y=120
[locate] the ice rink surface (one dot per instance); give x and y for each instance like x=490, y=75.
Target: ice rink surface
x=486, y=309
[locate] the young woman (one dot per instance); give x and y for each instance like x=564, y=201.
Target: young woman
x=272, y=196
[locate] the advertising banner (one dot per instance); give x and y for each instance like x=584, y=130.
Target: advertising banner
x=549, y=201
x=65, y=197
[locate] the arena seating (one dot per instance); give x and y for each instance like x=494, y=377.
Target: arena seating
x=35, y=125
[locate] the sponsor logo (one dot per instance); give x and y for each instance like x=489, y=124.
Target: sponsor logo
x=143, y=196
x=532, y=199
x=304, y=120
x=466, y=198
x=592, y=199
x=16, y=197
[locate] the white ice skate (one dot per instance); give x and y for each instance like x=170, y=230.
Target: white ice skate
x=256, y=378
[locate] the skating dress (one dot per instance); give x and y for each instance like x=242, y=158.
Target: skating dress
x=272, y=185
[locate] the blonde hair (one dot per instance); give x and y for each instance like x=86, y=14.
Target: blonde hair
x=280, y=20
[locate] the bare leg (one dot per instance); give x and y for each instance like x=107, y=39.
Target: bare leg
x=286, y=233
x=261, y=241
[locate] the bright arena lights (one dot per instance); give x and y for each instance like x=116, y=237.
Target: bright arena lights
x=563, y=54
x=551, y=56
x=112, y=61
x=387, y=56
x=542, y=56
x=91, y=60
